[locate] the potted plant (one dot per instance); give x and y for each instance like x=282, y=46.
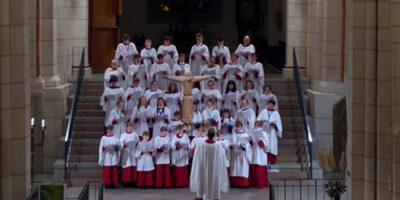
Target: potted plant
x=335, y=189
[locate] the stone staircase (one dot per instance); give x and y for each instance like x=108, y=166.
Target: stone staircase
x=90, y=119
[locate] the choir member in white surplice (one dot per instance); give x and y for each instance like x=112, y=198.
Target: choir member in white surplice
x=227, y=124
x=125, y=52
x=110, y=97
x=180, y=158
x=179, y=69
x=109, y=157
x=255, y=71
x=244, y=51
x=233, y=72
x=141, y=117
x=169, y=52
x=118, y=119
x=273, y=127
x=225, y=143
x=116, y=71
x=251, y=94
x=211, y=117
x=211, y=93
x=209, y=176
x=231, y=98
x=199, y=55
x=259, y=161
x=221, y=53
x=149, y=55
x=129, y=140
x=196, y=122
x=174, y=123
x=265, y=97
x=196, y=140
x=211, y=69
x=137, y=70
x=246, y=115
x=153, y=94
x=159, y=69
x=132, y=95
x=240, y=157
x=162, y=146
x=145, y=165
x=173, y=98
x=161, y=116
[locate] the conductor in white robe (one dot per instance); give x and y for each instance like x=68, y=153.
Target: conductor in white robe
x=209, y=175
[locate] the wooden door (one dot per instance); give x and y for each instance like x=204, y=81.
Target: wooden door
x=103, y=32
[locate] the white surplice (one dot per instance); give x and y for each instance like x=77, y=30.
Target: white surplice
x=196, y=61
x=128, y=151
x=173, y=101
x=209, y=175
x=170, y=54
x=127, y=51
x=252, y=69
x=259, y=156
x=240, y=155
x=211, y=114
x=196, y=141
x=161, y=117
x=109, y=100
x=132, y=96
x=180, y=157
x=116, y=115
x=151, y=98
x=149, y=57
x=222, y=55
x=108, y=154
x=263, y=101
x=211, y=94
x=230, y=104
x=251, y=118
x=163, y=143
x=244, y=53
x=272, y=117
x=139, y=118
x=225, y=143
x=145, y=160
x=156, y=73
x=137, y=71
x=117, y=72
x=212, y=71
x=251, y=96
x=232, y=77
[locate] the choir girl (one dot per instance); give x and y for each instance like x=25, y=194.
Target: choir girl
x=162, y=145
x=129, y=140
x=180, y=158
x=109, y=157
x=145, y=165
x=233, y=72
x=141, y=117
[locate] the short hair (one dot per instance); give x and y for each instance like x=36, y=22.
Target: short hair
x=234, y=55
x=182, y=55
x=136, y=56
x=148, y=40
x=258, y=123
x=110, y=127
x=238, y=124
x=211, y=133
x=164, y=128
x=136, y=80
x=160, y=56
x=167, y=37
x=210, y=100
x=119, y=101
x=219, y=39
x=267, y=86
x=219, y=132
x=199, y=35
x=129, y=124
x=146, y=133
x=253, y=54
x=125, y=36
x=179, y=127
x=113, y=78
x=201, y=129
x=272, y=101
x=154, y=81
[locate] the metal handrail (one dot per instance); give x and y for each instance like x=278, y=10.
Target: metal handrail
x=306, y=127
x=72, y=113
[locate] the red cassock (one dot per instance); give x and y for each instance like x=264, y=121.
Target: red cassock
x=163, y=176
x=129, y=174
x=145, y=179
x=110, y=175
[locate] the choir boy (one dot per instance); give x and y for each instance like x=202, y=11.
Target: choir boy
x=137, y=70
x=162, y=145
x=221, y=53
x=233, y=72
x=211, y=93
x=149, y=55
x=259, y=161
x=116, y=71
x=153, y=93
x=179, y=68
x=141, y=117
x=129, y=140
x=145, y=165
x=159, y=69
x=240, y=157
x=108, y=157
x=273, y=127
x=264, y=98
x=132, y=95
x=246, y=115
x=255, y=71
x=180, y=158
x=211, y=117
x=244, y=51
x=211, y=69
x=110, y=97
x=118, y=118
x=169, y=52
x=196, y=140
x=125, y=52
x=199, y=55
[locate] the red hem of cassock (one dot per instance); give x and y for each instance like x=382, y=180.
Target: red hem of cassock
x=180, y=176
x=145, y=179
x=163, y=176
x=239, y=181
x=129, y=174
x=258, y=176
x=110, y=175
x=271, y=158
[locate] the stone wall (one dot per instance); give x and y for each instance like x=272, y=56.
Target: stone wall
x=14, y=100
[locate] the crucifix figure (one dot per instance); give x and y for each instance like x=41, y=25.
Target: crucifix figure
x=187, y=103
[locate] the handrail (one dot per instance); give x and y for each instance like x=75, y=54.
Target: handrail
x=72, y=112
x=306, y=127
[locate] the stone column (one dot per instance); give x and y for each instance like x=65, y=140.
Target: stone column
x=395, y=45
x=14, y=100
x=296, y=29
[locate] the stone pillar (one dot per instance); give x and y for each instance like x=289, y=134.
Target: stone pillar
x=14, y=100
x=296, y=30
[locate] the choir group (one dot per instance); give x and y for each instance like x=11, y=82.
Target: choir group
x=143, y=128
